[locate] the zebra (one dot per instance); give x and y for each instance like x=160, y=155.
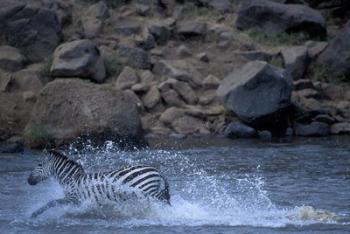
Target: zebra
x=101, y=187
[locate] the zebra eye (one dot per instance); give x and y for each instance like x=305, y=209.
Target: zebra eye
x=40, y=165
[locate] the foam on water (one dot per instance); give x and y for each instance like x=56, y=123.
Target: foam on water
x=199, y=197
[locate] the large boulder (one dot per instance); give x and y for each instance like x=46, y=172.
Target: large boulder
x=272, y=17
x=11, y=59
x=80, y=58
x=14, y=114
x=71, y=108
x=35, y=31
x=335, y=59
x=259, y=94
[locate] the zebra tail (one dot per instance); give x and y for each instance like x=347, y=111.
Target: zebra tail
x=164, y=195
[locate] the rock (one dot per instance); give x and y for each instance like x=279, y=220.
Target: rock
x=172, y=98
x=146, y=41
x=142, y=9
x=146, y=78
x=127, y=78
x=135, y=57
x=308, y=93
x=315, y=129
x=203, y=57
x=303, y=84
x=80, y=58
x=25, y=80
x=239, y=130
x=296, y=61
x=324, y=118
x=265, y=135
x=96, y=112
x=164, y=68
x=93, y=19
x=186, y=92
x=207, y=97
x=188, y=125
x=204, y=112
x=220, y=5
x=211, y=82
x=11, y=148
x=192, y=29
x=14, y=114
x=183, y=51
x=171, y=114
x=127, y=27
x=5, y=80
x=63, y=10
x=258, y=94
x=340, y=128
x=11, y=59
x=152, y=98
x=161, y=33
x=35, y=31
x=134, y=99
x=314, y=48
x=271, y=17
x=167, y=85
x=334, y=60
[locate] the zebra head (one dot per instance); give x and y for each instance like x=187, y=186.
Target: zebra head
x=41, y=172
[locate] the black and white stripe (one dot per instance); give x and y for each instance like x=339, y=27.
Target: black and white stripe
x=102, y=187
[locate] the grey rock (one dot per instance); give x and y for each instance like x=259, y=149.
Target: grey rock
x=314, y=129
x=303, y=84
x=11, y=59
x=203, y=57
x=211, y=82
x=258, y=94
x=340, y=128
x=127, y=78
x=334, y=60
x=135, y=57
x=296, y=61
x=80, y=58
x=265, y=135
x=35, y=31
x=152, y=98
x=183, y=51
x=239, y=130
x=62, y=9
x=93, y=19
x=172, y=98
x=272, y=17
x=161, y=33
x=192, y=28
x=186, y=92
x=220, y=5
x=98, y=112
x=127, y=27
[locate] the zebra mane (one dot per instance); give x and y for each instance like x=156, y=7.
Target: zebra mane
x=60, y=155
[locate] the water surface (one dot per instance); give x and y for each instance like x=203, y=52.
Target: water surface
x=235, y=187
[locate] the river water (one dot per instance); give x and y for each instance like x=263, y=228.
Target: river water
x=231, y=187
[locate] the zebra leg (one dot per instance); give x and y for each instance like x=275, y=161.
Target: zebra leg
x=51, y=204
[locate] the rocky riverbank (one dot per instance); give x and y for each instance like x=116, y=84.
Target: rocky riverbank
x=122, y=70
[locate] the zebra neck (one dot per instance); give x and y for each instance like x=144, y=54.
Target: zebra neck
x=67, y=171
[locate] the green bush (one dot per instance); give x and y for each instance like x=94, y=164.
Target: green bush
x=39, y=134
